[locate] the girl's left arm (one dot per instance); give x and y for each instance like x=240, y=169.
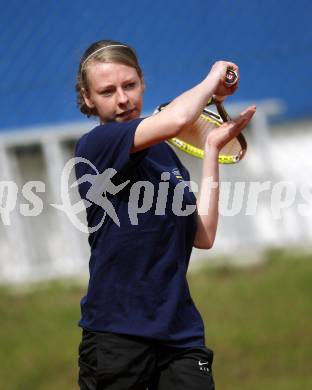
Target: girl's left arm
x=208, y=199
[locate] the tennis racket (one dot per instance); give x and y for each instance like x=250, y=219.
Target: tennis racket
x=192, y=140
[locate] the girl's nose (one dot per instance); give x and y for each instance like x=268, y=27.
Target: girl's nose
x=122, y=97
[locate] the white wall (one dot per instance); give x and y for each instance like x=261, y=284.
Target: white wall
x=47, y=245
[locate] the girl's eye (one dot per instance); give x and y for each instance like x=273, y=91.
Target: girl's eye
x=107, y=92
x=131, y=85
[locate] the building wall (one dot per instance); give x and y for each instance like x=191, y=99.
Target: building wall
x=48, y=245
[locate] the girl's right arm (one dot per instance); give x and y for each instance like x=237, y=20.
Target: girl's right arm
x=183, y=110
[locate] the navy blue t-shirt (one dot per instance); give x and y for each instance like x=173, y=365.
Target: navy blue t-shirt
x=140, y=252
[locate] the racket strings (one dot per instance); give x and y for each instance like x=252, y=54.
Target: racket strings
x=192, y=140
x=232, y=148
x=196, y=135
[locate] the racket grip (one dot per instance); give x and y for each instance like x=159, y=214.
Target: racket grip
x=231, y=77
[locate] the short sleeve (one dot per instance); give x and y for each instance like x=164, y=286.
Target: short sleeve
x=108, y=145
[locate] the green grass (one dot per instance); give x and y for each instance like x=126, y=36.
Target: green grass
x=258, y=322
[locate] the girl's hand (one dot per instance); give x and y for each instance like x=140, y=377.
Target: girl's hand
x=228, y=130
x=217, y=76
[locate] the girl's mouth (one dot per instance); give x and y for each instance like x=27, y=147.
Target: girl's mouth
x=125, y=114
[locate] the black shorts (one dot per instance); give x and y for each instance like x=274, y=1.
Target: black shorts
x=119, y=362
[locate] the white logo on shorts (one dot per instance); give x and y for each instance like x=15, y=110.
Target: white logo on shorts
x=202, y=366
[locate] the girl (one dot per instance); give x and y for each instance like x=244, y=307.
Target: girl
x=141, y=328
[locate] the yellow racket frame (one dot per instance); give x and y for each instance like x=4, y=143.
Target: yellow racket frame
x=218, y=120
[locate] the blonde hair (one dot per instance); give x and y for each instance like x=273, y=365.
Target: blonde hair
x=102, y=51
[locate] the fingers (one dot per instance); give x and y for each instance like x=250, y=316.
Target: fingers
x=247, y=115
x=220, y=68
x=244, y=118
x=231, y=89
x=235, y=126
x=233, y=66
x=228, y=130
x=218, y=72
x=250, y=109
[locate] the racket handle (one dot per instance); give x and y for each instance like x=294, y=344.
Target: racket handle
x=231, y=77
x=220, y=108
x=222, y=112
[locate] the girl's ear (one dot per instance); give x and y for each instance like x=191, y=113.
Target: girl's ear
x=86, y=97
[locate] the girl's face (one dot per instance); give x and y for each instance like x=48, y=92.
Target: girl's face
x=115, y=90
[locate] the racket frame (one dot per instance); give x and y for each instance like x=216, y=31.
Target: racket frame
x=216, y=118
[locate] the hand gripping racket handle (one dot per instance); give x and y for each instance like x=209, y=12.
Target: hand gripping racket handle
x=231, y=77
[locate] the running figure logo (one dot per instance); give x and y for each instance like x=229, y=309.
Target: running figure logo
x=101, y=185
